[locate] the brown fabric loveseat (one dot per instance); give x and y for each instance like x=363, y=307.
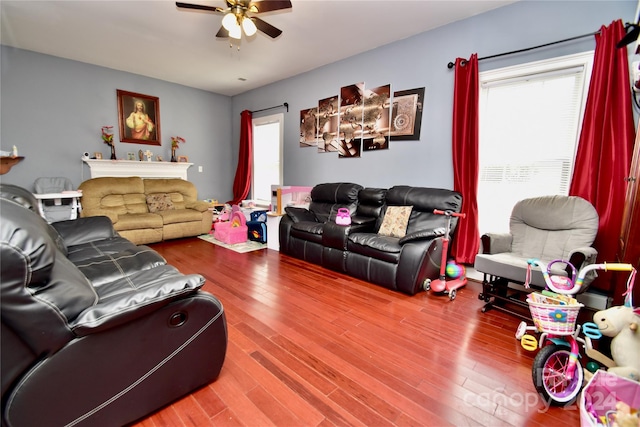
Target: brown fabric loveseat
x=147, y=210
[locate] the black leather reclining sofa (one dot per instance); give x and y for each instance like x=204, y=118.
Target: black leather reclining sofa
x=96, y=331
x=398, y=263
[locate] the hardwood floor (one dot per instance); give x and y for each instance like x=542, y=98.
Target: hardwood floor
x=312, y=347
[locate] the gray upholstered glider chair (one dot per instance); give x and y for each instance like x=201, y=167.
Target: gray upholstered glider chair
x=546, y=228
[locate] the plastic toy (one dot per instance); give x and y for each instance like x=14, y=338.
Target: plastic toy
x=557, y=372
x=441, y=284
x=455, y=270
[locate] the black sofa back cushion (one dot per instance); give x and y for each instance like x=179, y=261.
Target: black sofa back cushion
x=371, y=201
x=424, y=201
x=41, y=289
x=327, y=198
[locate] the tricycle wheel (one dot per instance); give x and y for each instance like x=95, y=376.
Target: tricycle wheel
x=549, y=374
x=427, y=284
x=452, y=294
x=522, y=329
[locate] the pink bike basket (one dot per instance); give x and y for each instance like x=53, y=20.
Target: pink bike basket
x=554, y=318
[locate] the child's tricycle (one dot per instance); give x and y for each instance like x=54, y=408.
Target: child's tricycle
x=557, y=372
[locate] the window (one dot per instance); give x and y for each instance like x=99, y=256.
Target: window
x=267, y=157
x=530, y=119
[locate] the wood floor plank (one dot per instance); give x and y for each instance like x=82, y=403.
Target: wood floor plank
x=313, y=347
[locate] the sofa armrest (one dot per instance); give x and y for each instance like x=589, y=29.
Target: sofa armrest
x=164, y=284
x=198, y=205
x=423, y=235
x=100, y=212
x=496, y=243
x=300, y=214
x=84, y=230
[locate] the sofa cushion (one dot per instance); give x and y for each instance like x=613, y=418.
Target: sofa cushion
x=115, y=266
x=300, y=214
x=370, y=201
x=41, y=288
x=174, y=216
x=138, y=221
x=159, y=202
x=376, y=246
x=307, y=230
x=327, y=198
x=394, y=223
x=424, y=200
x=182, y=192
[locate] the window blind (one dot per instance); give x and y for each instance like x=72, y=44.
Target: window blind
x=529, y=125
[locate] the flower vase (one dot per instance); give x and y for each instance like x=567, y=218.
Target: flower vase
x=113, y=152
x=173, y=155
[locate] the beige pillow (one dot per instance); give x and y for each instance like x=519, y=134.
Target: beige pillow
x=394, y=223
x=159, y=202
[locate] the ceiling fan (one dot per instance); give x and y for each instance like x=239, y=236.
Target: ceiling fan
x=238, y=16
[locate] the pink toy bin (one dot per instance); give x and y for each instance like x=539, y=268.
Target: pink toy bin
x=600, y=396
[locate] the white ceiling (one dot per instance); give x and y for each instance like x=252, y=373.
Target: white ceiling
x=156, y=39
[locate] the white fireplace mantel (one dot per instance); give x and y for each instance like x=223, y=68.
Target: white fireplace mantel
x=143, y=169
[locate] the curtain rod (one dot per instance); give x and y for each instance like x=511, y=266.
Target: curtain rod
x=452, y=64
x=286, y=105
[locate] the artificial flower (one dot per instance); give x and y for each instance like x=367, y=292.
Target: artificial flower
x=107, y=137
x=176, y=140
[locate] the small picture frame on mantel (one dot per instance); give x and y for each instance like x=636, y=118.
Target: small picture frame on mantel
x=183, y=159
x=97, y=156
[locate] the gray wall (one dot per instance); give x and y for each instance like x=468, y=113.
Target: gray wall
x=52, y=109
x=422, y=61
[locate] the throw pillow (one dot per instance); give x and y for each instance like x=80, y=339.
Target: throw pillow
x=159, y=202
x=394, y=223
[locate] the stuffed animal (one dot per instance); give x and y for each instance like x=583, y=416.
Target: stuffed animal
x=621, y=323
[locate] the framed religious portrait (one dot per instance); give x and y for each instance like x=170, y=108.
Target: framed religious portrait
x=138, y=118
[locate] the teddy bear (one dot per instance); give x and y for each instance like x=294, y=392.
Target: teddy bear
x=621, y=323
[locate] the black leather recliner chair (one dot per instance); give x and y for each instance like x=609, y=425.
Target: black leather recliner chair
x=95, y=331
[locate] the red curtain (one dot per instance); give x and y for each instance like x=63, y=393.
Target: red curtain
x=465, y=157
x=242, y=181
x=606, y=140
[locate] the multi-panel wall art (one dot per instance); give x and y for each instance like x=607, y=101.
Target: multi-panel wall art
x=360, y=119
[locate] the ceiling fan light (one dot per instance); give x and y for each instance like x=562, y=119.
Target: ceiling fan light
x=248, y=26
x=229, y=22
x=235, y=32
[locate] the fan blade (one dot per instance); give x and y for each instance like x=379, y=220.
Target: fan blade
x=199, y=7
x=222, y=33
x=266, y=28
x=259, y=6
x=630, y=37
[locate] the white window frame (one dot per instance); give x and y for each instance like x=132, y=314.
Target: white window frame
x=520, y=72
x=261, y=121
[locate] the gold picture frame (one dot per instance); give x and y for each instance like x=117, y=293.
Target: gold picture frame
x=97, y=156
x=138, y=118
x=183, y=159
